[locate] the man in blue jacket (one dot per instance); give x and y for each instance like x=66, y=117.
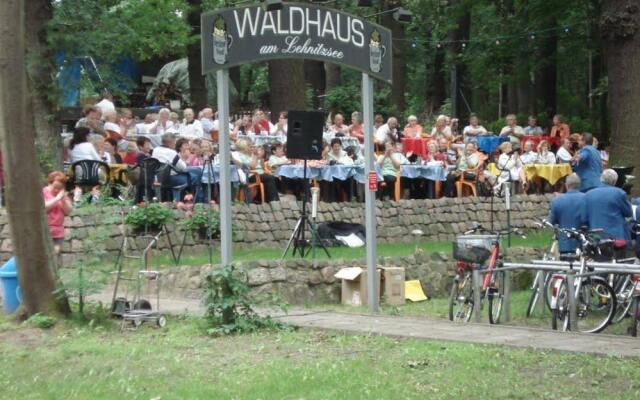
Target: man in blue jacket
x=608, y=208
x=587, y=164
x=569, y=210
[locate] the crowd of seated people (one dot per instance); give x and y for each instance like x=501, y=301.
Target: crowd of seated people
x=114, y=136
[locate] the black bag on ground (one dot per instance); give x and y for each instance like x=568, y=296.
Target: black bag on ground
x=327, y=231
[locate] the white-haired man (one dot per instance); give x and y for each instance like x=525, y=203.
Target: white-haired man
x=569, y=211
x=191, y=127
x=387, y=132
x=608, y=207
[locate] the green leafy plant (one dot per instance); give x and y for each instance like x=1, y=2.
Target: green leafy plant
x=228, y=306
x=150, y=216
x=202, y=218
x=104, y=196
x=41, y=321
x=88, y=275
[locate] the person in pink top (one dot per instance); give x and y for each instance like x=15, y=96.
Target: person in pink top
x=57, y=204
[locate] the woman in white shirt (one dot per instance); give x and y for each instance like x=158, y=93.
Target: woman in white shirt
x=162, y=124
x=441, y=129
x=529, y=156
x=337, y=155
x=510, y=166
x=544, y=155
x=564, y=156
x=80, y=148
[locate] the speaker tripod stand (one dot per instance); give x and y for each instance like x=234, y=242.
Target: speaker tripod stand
x=301, y=245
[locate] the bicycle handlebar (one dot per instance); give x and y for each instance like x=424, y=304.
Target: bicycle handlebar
x=480, y=228
x=586, y=237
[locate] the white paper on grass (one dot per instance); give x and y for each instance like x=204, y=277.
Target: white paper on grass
x=352, y=240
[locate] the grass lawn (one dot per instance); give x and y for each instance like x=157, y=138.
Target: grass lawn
x=74, y=361
x=538, y=239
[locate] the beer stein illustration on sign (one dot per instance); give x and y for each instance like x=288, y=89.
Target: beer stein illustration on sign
x=376, y=52
x=221, y=41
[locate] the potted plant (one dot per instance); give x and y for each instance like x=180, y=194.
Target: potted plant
x=148, y=217
x=200, y=219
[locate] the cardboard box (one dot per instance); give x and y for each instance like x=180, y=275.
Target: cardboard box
x=354, y=285
x=393, y=285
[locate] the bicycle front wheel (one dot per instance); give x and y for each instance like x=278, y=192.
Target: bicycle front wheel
x=496, y=297
x=596, y=305
x=633, y=329
x=624, y=299
x=461, y=298
x=560, y=313
x=535, y=293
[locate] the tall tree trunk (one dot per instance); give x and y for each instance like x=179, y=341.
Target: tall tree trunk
x=547, y=79
x=620, y=26
x=524, y=96
x=40, y=71
x=459, y=81
x=315, y=78
x=438, y=82
x=234, y=77
x=29, y=231
x=286, y=86
x=333, y=74
x=197, y=84
x=398, y=89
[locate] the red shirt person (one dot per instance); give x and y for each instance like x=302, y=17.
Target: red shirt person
x=57, y=204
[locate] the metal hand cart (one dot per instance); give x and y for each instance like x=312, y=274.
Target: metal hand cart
x=137, y=309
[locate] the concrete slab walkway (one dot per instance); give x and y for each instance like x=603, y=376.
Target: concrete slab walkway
x=432, y=329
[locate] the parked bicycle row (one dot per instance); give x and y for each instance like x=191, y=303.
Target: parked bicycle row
x=586, y=291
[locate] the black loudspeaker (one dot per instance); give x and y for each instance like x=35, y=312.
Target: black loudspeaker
x=304, y=135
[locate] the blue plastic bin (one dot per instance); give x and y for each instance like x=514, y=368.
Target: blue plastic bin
x=10, y=287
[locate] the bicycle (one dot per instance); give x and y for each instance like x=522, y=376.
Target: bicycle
x=595, y=299
x=635, y=306
x=471, y=251
x=549, y=255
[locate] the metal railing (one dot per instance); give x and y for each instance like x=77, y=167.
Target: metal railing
x=570, y=269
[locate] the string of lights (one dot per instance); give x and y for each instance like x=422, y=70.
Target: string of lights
x=565, y=30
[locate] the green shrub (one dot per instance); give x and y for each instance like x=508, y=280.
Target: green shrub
x=228, y=306
x=41, y=321
x=199, y=220
x=152, y=215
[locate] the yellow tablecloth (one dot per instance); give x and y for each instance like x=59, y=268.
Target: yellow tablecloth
x=493, y=168
x=551, y=173
x=116, y=175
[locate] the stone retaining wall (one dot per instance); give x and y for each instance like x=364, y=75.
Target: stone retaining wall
x=300, y=282
x=270, y=225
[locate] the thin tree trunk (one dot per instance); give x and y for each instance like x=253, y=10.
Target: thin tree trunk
x=287, y=86
x=197, y=84
x=620, y=26
x=512, y=94
x=24, y=198
x=40, y=70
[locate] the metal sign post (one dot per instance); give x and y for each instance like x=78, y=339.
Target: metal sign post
x=369, y=195
x=222, y=76
x=250, y=33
